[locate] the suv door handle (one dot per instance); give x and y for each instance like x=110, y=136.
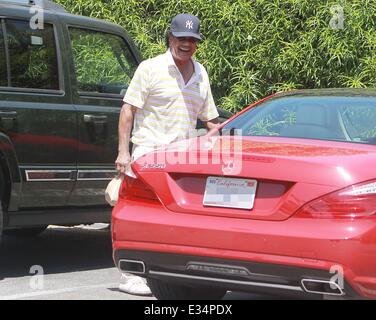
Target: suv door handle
x=8, y=115
x=94, y=119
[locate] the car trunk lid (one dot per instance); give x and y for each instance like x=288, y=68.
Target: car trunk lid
x=288, y=173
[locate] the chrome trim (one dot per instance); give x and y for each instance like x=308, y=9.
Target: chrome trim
x=220, y=268
x=226, y=266
x=247, y=283
x=319, y=292
x=81, y=175
x=68, y=172
x=132, y=261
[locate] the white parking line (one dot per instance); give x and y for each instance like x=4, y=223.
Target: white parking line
x=58, y=291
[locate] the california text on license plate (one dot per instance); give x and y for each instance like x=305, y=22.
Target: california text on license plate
x=230, y=192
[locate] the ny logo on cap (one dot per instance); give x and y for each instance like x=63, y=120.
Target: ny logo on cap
x=189, y=24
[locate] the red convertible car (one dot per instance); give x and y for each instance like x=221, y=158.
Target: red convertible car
x=281, y=199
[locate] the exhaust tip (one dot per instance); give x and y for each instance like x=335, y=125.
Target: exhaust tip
x=132, y=266
x=322, y=287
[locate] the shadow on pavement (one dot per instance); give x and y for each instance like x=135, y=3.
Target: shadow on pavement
x=66, y=250
x=57, y=250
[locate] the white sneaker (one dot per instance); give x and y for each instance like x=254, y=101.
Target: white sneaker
x=132, y=284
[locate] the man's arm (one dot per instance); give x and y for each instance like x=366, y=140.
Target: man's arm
x=125, y=126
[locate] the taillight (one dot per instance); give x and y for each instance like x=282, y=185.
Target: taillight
x=135, y=188
x=356, y=201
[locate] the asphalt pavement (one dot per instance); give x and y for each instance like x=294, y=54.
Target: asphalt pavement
x=73, y=263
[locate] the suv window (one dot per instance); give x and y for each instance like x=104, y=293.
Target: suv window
x=103, y=62
x=3, y=64
x=33, y=58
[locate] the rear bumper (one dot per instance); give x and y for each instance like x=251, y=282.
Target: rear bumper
x=266, y=256
x=255, y=277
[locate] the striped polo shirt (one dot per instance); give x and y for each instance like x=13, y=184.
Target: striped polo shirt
x=167, y=108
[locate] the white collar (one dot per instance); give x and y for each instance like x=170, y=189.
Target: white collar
x=171, y=62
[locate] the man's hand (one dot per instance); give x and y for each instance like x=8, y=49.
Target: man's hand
x=212, y=126
x=123, y=160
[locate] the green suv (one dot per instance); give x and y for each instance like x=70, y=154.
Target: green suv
x=61, y=88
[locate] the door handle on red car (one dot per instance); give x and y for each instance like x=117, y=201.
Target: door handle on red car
x=90, y=118
x=8, y=115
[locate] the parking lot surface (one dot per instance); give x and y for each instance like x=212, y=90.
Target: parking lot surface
x=63, y=263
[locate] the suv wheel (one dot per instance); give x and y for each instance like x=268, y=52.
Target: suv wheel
x=1, y=220
x=172, y=291
x=25, y=232
x=1, y=202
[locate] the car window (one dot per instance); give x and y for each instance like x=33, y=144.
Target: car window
x=103, y=62
x=359, y=122
x=3, y=64
x=350, y=119
x=33, y=58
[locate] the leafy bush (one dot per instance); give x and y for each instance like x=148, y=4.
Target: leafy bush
x=256, y=47
x=99, y=60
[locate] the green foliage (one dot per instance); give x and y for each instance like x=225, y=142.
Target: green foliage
x=256, y=47
x=272, y=124
x=99, y=59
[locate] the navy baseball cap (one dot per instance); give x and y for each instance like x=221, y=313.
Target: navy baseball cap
x=186, y=25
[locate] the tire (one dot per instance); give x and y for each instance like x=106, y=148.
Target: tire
x=172, y=291
x=1, y=220
x=2, y=184
x=25, y=232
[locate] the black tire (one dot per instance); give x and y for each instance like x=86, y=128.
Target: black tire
x=1, y=220
x=2, y=184
x=172, y=291
x=25, y=232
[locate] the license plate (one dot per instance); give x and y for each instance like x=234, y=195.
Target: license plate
x=230, y=192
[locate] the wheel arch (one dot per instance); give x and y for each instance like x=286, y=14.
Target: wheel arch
x=11, y=174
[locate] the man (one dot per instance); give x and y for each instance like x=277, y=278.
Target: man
x=165, y=98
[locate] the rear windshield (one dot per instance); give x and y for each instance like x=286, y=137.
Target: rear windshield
x=351, y=119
